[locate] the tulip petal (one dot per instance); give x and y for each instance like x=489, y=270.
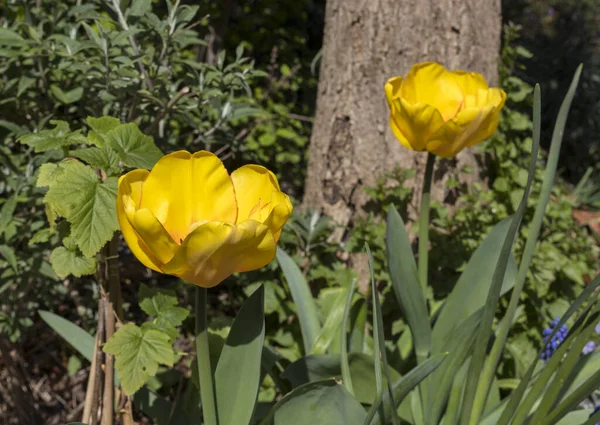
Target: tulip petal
x=432, y=84
x=392, y=89
x=254, y=187
x=215, y=250
x=274, y=214
x=469, y=127
x=128, y=197
x=183, y=189
x=154, y=234
x=413, y=124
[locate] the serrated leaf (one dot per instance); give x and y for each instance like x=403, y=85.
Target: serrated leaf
x=49, y=173
x=87, y=203
x=103, y=125
x=166, y=312
x=135, y=149
x=138, y=355
x=40, y=236
x=66, y=262
x=54, y=138
x=104, y=158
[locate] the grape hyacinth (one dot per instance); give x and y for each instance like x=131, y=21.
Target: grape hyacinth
x=559, y=337
x=595, y=410
x=588, y=347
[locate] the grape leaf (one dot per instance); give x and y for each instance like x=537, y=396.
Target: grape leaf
x=167, y=315
x=104, y=158
x=135, y=149
x=87, y=203
x=61, y=135
x=66, y=262
x=138, y=355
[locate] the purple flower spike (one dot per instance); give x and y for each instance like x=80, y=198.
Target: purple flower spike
x=589, y=347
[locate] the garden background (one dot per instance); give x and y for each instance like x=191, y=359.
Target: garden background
x=296, y=86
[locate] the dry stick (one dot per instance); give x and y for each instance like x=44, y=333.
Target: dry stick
x=98, y=372
x=89, y=391
x=108, y=408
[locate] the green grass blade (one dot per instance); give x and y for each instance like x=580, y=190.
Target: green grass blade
x=455, y=397
x=346, y=378
x=534, y=229
x=305, y=304
x=472, y=407
x=405, y=282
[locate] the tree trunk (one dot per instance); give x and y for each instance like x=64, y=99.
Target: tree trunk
x=365, y=43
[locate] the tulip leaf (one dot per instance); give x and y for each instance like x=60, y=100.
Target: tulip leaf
x=331, y=327
x=305, y=303
x=87, y=203
x=323, y=402
x=237, y=377
x=405, y=282
x=55, y=138
x=82, y=341
x=470, y=292
x=134, y=148
x=317, y=367
x=138, y=353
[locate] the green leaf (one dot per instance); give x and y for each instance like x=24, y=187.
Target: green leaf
x=49, y=173
x=55, y=138
x=138, y=355
x=322, y=366
x=168, y=315
x=323, y=402
x=331, y=327
x=470, y=292
x=305, y=304
x=87, y=203
x=25, y=83
x=66, y=262
x=7, y=211
x=344, y=364
x=66, y=97
x=103, y=125
x=405, y=282
x=10, y=38
x=135, y=149
x=237, y=377
x=139, y=7
x=9, y=255
x=403, y=386
x=473, y=403
x=82, y=341
x=104, y=158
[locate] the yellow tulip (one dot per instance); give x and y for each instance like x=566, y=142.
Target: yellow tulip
x=441, y=111
x=189, y=218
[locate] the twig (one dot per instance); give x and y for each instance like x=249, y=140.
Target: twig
x=89, y=392
x=134, y=45
x=177, y=395
x=98, y=371
x=108, y=409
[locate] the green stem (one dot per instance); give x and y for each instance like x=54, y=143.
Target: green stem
x=424, y=221
x=207, y=391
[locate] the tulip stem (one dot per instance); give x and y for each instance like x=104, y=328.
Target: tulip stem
x=207, y=390
x=424, y=221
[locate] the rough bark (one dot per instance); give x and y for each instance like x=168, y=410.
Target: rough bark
x=365, y=43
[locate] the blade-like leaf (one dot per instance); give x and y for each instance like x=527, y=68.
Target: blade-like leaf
x=331, y=327
x=534, y=229
x=405, y=282
x=73, y=334
x=345, y=366
x=305, y=304
x=472, y=407
x=470, y=292
x=237, y=376
x=408, y=382
x=323, y=402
